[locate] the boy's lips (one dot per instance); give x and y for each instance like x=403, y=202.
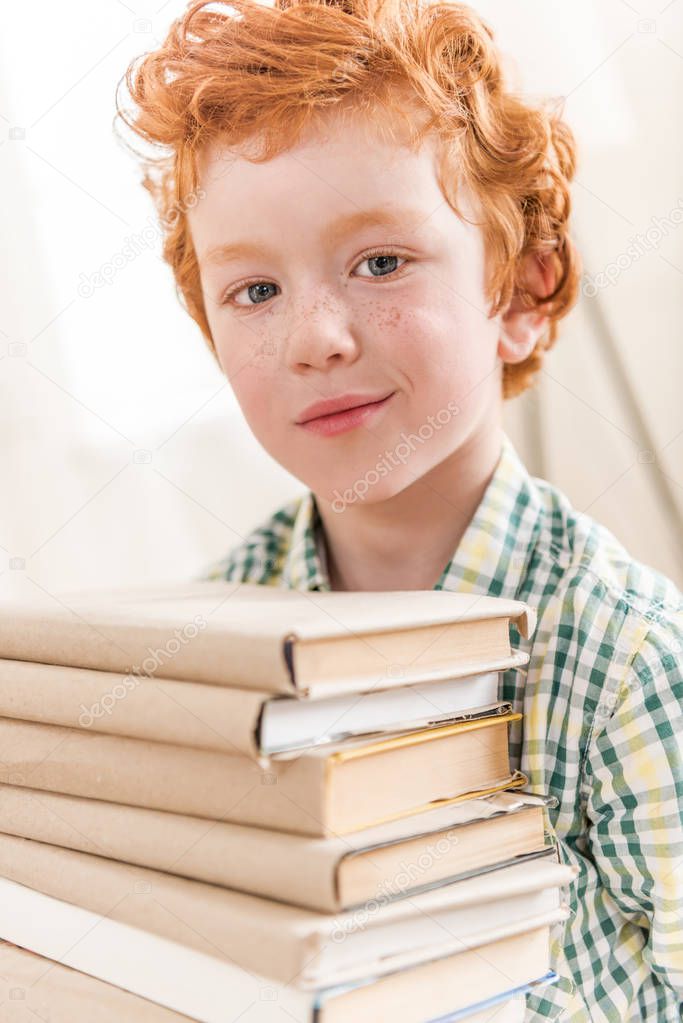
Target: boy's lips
x=330, y=406
x=350, y=411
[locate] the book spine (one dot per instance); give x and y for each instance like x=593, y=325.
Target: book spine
x=208, y=919
x=200, y=980
x=262, y=862
x=289, y=796
x=195, y=651
x=162, y=710
x=50, y=990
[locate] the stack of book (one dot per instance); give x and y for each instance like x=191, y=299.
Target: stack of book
x=223, y=801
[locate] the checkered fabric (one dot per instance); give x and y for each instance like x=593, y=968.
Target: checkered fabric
x=602, y=727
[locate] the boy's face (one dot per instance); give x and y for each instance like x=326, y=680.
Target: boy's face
x=316, y=316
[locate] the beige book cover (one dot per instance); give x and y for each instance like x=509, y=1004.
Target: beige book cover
x=325, y=874
x=287, y=943
x=35, y=988
x=210, y=990
x=222, y=718
x=318, y=792
x=160, y=709
x=268, y=638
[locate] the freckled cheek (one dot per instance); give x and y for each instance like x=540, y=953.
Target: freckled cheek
x=257, y=384
x=445, y=347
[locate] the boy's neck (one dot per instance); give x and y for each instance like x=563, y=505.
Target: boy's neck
x=405, y=542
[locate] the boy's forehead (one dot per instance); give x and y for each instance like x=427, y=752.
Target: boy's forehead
x=374, y=124
x=343, y=135
x=344, y=160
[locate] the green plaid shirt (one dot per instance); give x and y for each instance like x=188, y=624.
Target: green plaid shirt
x=602, y=728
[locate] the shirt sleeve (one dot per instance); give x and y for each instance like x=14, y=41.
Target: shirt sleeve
x=634, y=779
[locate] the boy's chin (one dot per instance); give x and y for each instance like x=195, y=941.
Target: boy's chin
x=360, y=492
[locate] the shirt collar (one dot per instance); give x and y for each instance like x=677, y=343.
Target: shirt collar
x=492, y=556
x=305, y=565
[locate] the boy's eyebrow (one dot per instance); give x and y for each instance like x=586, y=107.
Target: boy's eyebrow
x=336, y=231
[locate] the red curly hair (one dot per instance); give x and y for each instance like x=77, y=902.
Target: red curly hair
x=244, y=72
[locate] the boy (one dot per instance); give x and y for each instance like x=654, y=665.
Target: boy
x=371, y=231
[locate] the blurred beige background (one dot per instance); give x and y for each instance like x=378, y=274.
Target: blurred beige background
x=124, y=456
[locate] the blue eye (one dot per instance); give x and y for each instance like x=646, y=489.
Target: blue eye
x=384, y=261
x=257, y=291
x=392, y=260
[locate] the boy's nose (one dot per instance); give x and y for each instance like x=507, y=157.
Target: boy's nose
x=321, y=337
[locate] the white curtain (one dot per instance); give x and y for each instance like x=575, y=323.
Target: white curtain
x=124, y=456
x=605, y=422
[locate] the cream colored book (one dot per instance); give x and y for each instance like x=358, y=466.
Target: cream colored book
x=210, y=990
x=325, y=874
x=35, y=988
x=286, y=943
x=333, y=790
x=255, y=723
x=269, y=638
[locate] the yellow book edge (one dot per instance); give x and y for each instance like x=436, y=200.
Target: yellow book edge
x=423, y=735
x=516, y=780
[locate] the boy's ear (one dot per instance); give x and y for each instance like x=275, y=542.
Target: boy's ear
x=521, y=328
